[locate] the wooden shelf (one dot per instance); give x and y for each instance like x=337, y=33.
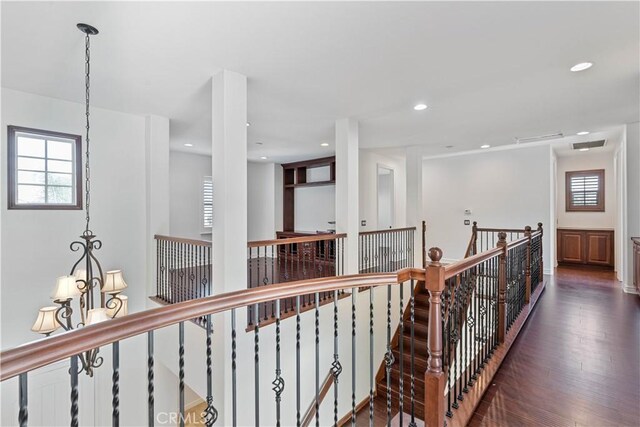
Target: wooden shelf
x=311, y=184
x=295, y=176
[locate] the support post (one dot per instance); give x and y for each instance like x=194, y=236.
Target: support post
x=527, y=268
x=502, y=287
x=434, y=378
x=347, y=199
x=541, y=278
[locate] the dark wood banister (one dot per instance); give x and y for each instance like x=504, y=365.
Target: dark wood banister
x=49, y=350
x=316, y=238
x=183, y=240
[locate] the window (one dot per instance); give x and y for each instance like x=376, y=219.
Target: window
x=44, y=169
x=207, y=202
x=585, y=191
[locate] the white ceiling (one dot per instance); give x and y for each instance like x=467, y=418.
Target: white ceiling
x=488, y=71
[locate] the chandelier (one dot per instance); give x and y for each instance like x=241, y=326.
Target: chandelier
x=86, y=276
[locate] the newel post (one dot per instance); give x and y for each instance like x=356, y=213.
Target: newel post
x=541, y=257
x=502, y=287
x=527, y=268
x=424, y=244
x=434, y=378
x=474, y=233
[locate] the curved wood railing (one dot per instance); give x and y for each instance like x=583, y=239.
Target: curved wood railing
x=49, y=350
x=462, y=297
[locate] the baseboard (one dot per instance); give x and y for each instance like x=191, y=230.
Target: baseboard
x=629, y=289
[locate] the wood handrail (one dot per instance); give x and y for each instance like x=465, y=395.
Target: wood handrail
x=289, y=240
x=636, y=240
x=52, y=349
x=311, y=410
x=521, y=241
x=386, y=230
x=183, y=240
x=506, y=230
x=466, y=263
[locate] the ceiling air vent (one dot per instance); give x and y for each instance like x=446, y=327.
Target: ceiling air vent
x=539, y=138
x=590, y=144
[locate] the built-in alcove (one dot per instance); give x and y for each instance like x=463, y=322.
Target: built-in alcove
x=309, y=195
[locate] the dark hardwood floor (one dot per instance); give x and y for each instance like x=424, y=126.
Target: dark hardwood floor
x=575, y=363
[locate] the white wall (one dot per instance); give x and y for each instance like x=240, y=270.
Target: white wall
x=588, y=161
x=369, y=161
x=314, y=208
x=187, y=172
x=633, y=196
x=35, y=244
x=503, y=188
x=385, y=200
x=261, y=200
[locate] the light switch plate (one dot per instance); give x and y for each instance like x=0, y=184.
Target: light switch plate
x=467, y=222
x=363, y=223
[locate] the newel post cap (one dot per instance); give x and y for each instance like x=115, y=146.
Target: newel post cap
x=502, y=236
x=435, y=255
x=527, y=229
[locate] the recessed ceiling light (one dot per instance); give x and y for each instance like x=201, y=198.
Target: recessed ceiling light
x=420, y=107
x=258, y=143
x=584, y=132
x=485, y=146
x=584, y=149
x=582, y=66
x=248, y=124
x=263, y=157
x=324, y=144
x=448, y=146
x=188, y=145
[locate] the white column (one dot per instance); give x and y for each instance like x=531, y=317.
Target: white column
x=633, y=198
x=229, y=232
x=415, y=210
x=347, y=199
x=157, y=194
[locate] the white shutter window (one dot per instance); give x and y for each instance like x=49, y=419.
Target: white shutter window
x=585, y=190
x=207, y=202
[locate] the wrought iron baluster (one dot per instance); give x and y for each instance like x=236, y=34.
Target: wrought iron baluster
x=336, y=367
x=389, y=359
x=413, y=356
x=401, y=364
x=234, y=389
x=73, y=372
x=150, y=378
x=371, y=376
x=115, y=387
x=278, y=383
x=298, y=360
x=23, y=413
x=353, y=356
x=210, y=413
x=317, y=324
x=181, y=372
x=256, y=352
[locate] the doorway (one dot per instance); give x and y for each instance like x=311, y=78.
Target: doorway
x=385, y=197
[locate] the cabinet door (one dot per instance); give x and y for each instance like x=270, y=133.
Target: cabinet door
x=599, y=248
x=571, y=245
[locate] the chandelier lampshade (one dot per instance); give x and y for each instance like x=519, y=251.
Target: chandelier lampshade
x=97, y=315
x=46, y=322
x=66, y=289
x=114, y=282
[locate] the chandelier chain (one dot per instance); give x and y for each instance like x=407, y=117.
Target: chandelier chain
x=86, y=165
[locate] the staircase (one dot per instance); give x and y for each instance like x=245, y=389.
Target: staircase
x=421, y=326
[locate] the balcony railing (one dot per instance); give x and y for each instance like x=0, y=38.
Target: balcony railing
x=475, y=309
x=385, y=251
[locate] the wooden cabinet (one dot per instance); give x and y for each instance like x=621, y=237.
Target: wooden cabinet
x=589, y=247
